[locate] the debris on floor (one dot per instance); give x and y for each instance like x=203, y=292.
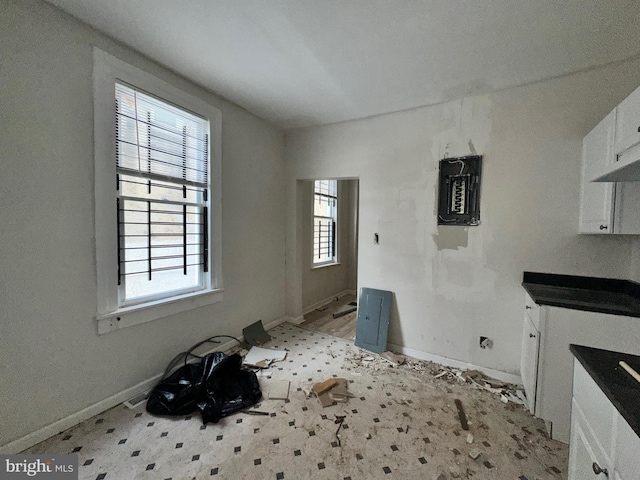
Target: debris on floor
x=331, y=391
x=358, y=360
x=393, y=358
x=279, y=389
x=255, y=334
x=298, y=438
x=345, y=309
x=339, y=420
x=461, y=415
x=263, y=357
x=321, y=387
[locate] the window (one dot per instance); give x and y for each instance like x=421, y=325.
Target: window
x=162, y=205
x=325, y=217
x=158, y=208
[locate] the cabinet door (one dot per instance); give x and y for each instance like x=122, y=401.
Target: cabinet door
x=596, y=199
x=529, y=361
x=585, y=457
x=628, y=122
x=626, y=451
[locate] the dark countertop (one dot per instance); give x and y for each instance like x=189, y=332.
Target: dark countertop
x=603, y=295
x=619, y=387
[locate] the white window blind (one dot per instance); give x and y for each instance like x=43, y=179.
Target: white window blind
x=162, y=180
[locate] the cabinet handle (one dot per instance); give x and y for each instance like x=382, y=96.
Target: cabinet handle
x=597, y=470
x=639, y=129
x=531, y=335
x=527, y=307
x=603, y=227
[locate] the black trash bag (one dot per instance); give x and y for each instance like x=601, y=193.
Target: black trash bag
x=217, y=387
x=178, y=393
x=227, y=387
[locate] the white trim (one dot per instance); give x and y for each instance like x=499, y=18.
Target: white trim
x=297, y=320
x=326, y=301
x=449, y=362
x=137, y=314
x=54, y=428
x=324, y=265
x=106, y=71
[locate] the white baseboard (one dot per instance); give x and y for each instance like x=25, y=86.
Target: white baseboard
x=52, y=429
x=327, y=300
x=297, y=320
x=449, y=362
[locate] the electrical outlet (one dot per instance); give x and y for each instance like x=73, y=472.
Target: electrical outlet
x=486, y=342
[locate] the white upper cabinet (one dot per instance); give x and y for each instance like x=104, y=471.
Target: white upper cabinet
x=597, y=199
x=626, y=167
x=612, y=206
x=628, y=123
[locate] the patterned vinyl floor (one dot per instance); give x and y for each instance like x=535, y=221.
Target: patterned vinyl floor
x=400, y=423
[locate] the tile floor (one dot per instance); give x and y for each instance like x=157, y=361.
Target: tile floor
x=401, y=423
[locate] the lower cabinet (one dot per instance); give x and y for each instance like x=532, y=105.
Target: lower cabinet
x=602, y=445
x=547, y=364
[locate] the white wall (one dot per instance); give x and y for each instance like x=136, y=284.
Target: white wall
x=453, y=284
x=52, y=362
x=319, y=284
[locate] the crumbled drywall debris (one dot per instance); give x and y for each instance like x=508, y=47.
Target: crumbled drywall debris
x=358, y=361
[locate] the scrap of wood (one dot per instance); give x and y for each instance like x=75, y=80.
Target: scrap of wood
x=322, y=387
x=461, y=415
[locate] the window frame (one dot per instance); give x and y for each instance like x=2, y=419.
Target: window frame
x=107, y=70
x=335, y=259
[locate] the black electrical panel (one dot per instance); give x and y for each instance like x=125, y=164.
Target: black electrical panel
x=459, y=191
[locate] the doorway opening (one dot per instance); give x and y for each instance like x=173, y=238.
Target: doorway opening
x=329, y=288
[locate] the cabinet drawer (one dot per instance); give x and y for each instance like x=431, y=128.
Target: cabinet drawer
x=585, y=450
x=532, y=310
x=598, y=411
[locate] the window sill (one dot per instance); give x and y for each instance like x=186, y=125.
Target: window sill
x=147, y=312
x=324, y=265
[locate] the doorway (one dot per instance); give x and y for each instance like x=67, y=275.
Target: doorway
x=328, y=287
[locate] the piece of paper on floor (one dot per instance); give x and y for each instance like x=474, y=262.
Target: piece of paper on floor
x=279, y=389
x=262, y=357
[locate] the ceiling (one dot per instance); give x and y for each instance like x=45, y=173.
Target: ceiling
x=307, y=62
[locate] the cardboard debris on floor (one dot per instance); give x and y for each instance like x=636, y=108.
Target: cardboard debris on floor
x=263, y=357
x=333, y=390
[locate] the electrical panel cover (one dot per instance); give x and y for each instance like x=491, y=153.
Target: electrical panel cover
x=459, y=191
